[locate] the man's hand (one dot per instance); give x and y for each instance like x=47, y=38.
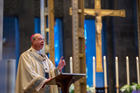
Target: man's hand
x=46, y=82
x=61, y=64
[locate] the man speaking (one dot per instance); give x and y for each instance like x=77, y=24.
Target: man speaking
x=35, y=69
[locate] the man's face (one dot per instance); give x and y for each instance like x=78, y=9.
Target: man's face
x=38, y=42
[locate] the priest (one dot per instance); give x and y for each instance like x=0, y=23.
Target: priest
x=35, y=69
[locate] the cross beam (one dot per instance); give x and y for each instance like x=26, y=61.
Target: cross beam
x=103, y=12
x=99, y=13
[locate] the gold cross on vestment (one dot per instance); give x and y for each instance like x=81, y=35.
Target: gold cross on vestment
x=99, y=13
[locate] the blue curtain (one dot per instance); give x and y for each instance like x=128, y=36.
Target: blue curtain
x=91, y=51
x=37, y=25
x=90, y=48
x=58, y=42
x=11, y=37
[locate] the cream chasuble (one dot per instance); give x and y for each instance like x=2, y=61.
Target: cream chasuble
x=31, y=73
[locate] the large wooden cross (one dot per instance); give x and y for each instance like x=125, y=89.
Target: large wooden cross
x=99, y=13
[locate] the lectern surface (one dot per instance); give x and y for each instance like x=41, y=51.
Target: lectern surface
x=65, y=77
x=64, y=80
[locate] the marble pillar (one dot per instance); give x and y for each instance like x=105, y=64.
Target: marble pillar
x=1, y=27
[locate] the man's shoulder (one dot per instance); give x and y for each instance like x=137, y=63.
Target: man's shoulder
x=25, y=52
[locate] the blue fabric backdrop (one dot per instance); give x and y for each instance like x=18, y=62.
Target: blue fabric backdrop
x=91, y=51
x=11, y=37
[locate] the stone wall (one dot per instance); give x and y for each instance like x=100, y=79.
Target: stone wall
x=122, y=41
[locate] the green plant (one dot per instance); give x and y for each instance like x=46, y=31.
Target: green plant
x=89, y=89
x=126, y=89
x=135, y=86
x=129, y=88
x=71, y=89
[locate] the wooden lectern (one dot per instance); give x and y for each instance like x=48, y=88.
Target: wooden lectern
x=64, y=80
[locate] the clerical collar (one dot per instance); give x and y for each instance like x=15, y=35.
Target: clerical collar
x=39, y=52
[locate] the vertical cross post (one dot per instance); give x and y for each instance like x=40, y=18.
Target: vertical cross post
x=51, y=29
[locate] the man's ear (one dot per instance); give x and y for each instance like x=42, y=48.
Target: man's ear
x=32, y=37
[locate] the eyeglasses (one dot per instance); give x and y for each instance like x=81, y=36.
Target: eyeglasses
x=40, y=39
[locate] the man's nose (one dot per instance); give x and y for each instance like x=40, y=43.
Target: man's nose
x=42, y=41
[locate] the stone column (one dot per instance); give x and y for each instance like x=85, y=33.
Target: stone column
x=1, y=27
x=11, y=75
x=124, y=34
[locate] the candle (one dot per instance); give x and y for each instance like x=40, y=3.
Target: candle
x=94, y=73
x=105, y=72
x=127, y=70
x=138, y=73
x=117, y=72
x=71, y=65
